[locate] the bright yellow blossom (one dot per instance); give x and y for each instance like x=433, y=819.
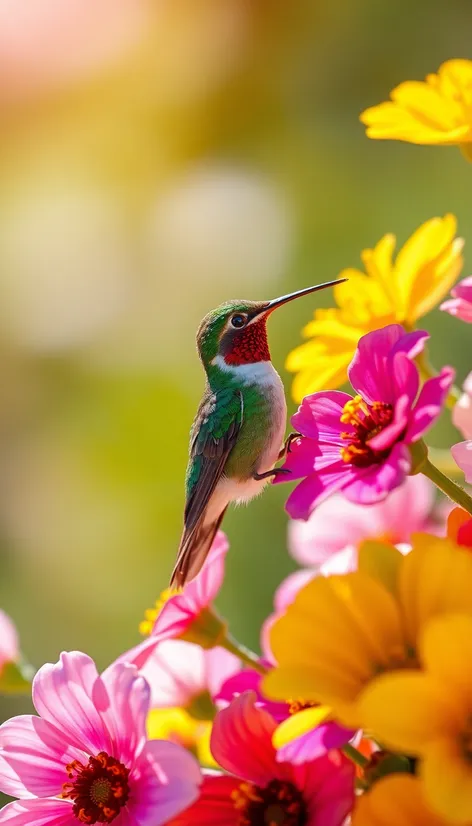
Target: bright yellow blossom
x=179, y=726
x=435, y=111
x=396, y=800
x=389, y=291
x=428, y=714
x=343, y=631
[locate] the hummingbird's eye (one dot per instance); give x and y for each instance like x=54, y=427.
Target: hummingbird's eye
x=238, y=320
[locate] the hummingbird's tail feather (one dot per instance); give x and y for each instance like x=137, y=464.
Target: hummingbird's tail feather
x=193, y=550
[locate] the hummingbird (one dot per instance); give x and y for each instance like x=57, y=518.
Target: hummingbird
x=238, y=432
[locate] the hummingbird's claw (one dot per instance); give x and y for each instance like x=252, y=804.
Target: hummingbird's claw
x=276, y=471
x=287, y=448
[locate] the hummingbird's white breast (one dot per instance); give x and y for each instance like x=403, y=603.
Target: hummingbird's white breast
x=265, y=376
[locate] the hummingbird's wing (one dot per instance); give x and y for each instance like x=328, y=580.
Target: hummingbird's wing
x=214, y=434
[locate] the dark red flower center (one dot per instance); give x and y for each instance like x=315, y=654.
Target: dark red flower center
x=366, y=421
x=299, y=705
x=99, y=790
x=278, y=804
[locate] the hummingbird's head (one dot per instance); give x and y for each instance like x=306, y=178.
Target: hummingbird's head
x=236, y=333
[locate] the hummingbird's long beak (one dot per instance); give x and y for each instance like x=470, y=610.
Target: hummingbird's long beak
x=284, y=299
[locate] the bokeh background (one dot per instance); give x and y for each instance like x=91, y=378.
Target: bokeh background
x=156, y=158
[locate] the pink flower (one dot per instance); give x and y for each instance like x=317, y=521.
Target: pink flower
x=328, y=541
x=86, y=759
x=460, y=304
x=180, y=672
x=360, y=445
x=462, y=413
x=462, y=455
x=261, y=790
x=9, y=651
x=187, y=614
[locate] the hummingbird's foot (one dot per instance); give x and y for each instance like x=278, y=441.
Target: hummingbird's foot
x=287, y=448
x=276, y=471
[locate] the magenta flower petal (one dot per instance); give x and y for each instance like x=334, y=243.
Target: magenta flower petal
x=315, y=743
x=250, y=680
x=182, y=609
x=241, y=741
x=33, y=756
x=380, y=479
x=406, y=379
x=180, y=778
x=429, y=404
x=459, y=308
x=462, y=455
x=38, y=813
x=367, y=371
x=371, y=371
x=122, y=697
x=389, y=435
x=463, y=289
x=329, y=783
x=317, y=487
x=318, y=415
x=461, y=303
x=62, y=695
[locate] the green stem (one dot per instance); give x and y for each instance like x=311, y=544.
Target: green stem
x=427, y=371
x=245, y=655
x=355, y=756
x=450, y=488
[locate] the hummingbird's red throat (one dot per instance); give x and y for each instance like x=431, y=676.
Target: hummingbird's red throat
x=249, y=345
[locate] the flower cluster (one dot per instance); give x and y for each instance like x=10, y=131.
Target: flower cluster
x=358, y=708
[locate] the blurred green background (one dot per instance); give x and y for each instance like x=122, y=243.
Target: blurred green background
x=157, y=158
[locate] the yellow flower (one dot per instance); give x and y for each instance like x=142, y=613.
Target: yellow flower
x=178, y=725
x=342, y=632
x=396, y=800
x=436, y=111
x=432, y=717
x=400, y=291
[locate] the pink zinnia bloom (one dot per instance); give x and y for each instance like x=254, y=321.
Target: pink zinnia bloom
x=86, y=759
x=187, y=614
x=360, y=445
x=462, y=455
x=462, y=413
x=261, y=790
x=9, y=650
x=460, y=304
x=329, y=540
x=180, y=672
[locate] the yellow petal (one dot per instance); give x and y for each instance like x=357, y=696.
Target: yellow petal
x=446, y=652
x=427, y=266
x=405, y=711
x=428, y=105
x=298, y=724
x=381, y=561
x=338, y=633
x=434, y=578
x=396, y=800
x=447, y=779
x=454, y=80
x=324, y=373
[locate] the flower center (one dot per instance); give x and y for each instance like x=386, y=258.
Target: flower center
x=99, y=789
x=366, y=422
x=151, y=614
x=278, y=804
x=294, y=706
